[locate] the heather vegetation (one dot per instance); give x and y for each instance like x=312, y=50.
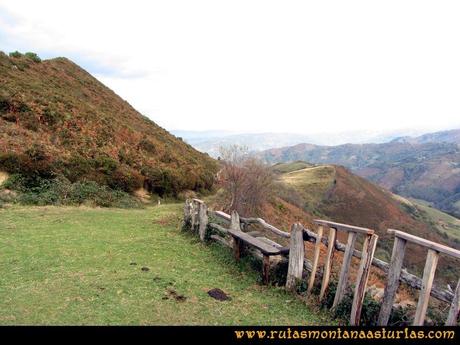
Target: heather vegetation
x=61, y=129
x=60, y=191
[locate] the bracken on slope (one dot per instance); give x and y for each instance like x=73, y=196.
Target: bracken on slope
x=57, y=119
x=335, y=193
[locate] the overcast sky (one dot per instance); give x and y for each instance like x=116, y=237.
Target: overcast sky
x=283, y=66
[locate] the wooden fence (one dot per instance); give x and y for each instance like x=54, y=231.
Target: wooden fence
x=197, y=217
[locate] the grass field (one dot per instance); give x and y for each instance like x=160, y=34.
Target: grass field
x=282, y=168
x=444, y=222
x=311, y=183
x=112, y=266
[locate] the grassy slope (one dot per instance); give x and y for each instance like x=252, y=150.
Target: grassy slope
x=444, y=222
x=282, y=168
x=335, y=193
x=311, y=183
x=353, y=195
x=73, y=266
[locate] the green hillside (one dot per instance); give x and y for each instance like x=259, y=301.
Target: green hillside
x=444, y=223
x=281, y=168
x=56, y=120
x=311, y=183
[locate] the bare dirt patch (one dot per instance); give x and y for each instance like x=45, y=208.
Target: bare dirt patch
x=172, y=294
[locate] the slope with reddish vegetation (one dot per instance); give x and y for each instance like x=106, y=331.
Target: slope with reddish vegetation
x=334, y=193
x=57, y=119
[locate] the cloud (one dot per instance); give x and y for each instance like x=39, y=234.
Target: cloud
x=259, y=65
x=76, y=29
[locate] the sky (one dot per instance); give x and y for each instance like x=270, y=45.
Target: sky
x=259, y=66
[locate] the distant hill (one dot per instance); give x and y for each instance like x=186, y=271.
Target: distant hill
x=334, y=192
x=452, y=136
x=211, y=141
x=427, y=170
x=58, y=120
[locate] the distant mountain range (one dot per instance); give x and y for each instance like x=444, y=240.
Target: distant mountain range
x=426, y=167
x=211, y=141
x=451, y=136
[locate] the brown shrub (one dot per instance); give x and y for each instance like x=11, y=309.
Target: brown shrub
x=247, y=182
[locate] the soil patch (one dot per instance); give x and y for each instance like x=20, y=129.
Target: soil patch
x=219, y=295
x=171, y=293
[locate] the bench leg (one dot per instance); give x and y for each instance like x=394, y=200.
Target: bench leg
x=266, y=270
x=237, y=248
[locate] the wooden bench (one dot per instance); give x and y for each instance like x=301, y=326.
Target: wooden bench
x=267, y=250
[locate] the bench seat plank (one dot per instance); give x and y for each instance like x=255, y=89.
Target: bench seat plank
x=265, y=248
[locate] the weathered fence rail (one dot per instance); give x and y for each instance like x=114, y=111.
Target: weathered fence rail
x=370, y=242
x=405, y=277
x=392, y=283
x=234, y=235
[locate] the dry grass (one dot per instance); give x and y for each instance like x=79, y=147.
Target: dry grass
x=3, y=177
x=312, y=183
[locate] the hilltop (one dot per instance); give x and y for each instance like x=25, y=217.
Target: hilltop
x=414, y=168
x=56, y=120
x=333, y=192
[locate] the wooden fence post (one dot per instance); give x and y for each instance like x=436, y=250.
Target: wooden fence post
x=193, y=214
x=235, y=221
x=187, y=214
x=343, y=279
x=454, y=307
x=328, y=263
x=314, y=265
x=392, y=284
x=186, y=209
x=424, y=296
x=203, y=217
x=237, y=243
x=296, y=257
x=361, y=281
x=266, y=269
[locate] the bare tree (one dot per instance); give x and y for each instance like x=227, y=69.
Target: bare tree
x=246, y=181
